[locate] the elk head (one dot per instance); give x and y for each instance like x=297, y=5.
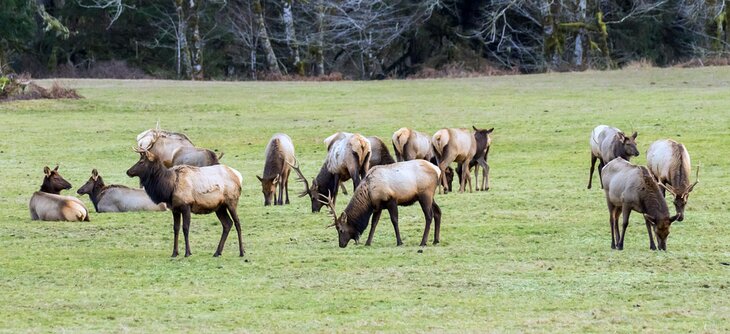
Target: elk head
x=629, y=144
x=95, y=181
x=681, y=197
x=146, y=161
x=313, y=192
x=345, y=231
x=53, y=182
x=268, y=187
x=661, y=229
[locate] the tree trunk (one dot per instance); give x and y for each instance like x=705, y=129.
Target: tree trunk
x=182, y=40
x=319, y=53
x=271, y=61
x=551, y=40
x=579, y=51
x=291, y=36
x=197, y=56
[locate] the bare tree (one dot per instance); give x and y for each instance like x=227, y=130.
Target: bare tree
x=241, y=24
x=197, y=52
x=271, y=60
x=116, y=7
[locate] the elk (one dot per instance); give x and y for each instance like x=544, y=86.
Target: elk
x=608, y=143
x=348, y=156
x=631, y=187
x=48, y=204
x=387, y=187
x=193, y=156
x=484, y=142
x=279, y=154
x=454, y=145
x=189, y=189
x=379, y=154
x=163, y=144
x=409, y=144
x=324, y=184
x=669, y=162
x=117, y=198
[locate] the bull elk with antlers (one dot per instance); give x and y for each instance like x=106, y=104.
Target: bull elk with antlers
x=188, y=189
x=669, y=162
x=387, y=187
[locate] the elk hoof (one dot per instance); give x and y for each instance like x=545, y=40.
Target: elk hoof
x=435, y=242
x=216, y=254
x=188, y=254
x=174, y=254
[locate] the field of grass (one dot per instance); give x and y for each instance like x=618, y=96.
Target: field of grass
x=531, y=255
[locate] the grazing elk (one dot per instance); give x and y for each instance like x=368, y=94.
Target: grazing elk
x=379, y=154
x=279, y=155
x=48, y=204
x=188, y=189
x=348, y=156
x=454, y=145
x=163, y=144
x=387, y=187
x=484, y=142
x=608, y=143
x=631, y=187
x=324, y=184
x=669, y=162
x=117, y=198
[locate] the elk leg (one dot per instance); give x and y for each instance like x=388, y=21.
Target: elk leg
x=476, y=176
x=280, y=198
x=464, y=175
x=234, y=215
x=176, y=229
x=601, y=164
x=286, y=185
x=226, y=223
x=427, y=207
x=651, y=237
x=186, y=229
x=437, y=223
x=625, y=212
x=393, y=211
x=344, y=190
x=485, y=174
x=373, y=223
x=593, y=165
x=612, y=222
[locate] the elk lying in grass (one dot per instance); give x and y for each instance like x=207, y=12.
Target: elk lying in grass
x=117, y=198
x=193, y=156
x=669, y=162
x=379, y=154
x=387, y=187
x=279, y=155
x=188, y=189
x=48, y=204
x=630, y=187
x=175, y=149
x=454, y=145
x=608, y=143
x=484, y=142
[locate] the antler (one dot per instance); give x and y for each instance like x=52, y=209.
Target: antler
x=329, y=202
x=138, y=149
x=301, y=178
x=698, y=173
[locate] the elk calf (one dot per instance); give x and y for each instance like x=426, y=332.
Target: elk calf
x=279, y=155
x=47, y=204
x=387, y=187
x=669, y=162
x=188, y=189
x=608, y=143
x=484, y=142
x=630, y=187
x=117, y=198
x=454, y=145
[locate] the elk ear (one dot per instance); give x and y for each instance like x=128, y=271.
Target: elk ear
x=56, y=169
x=94, y=172
x=46, y=171
x=490, y=130
x=150, y=156
x=343, y=219
x=475, y=128
x=276, y=180
x=260, y=179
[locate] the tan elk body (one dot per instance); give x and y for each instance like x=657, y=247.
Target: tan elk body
x=454, y=145
x=608, y=143
x=48, y=204
x=410, y=144
x=630, y=187
x=279, y=156
x=670, y=164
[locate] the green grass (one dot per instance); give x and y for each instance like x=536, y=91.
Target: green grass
x=531, y=255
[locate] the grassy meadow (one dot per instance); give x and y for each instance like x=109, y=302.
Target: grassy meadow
x=530, y=255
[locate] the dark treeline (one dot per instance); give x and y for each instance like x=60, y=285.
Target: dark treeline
x=358, y=39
